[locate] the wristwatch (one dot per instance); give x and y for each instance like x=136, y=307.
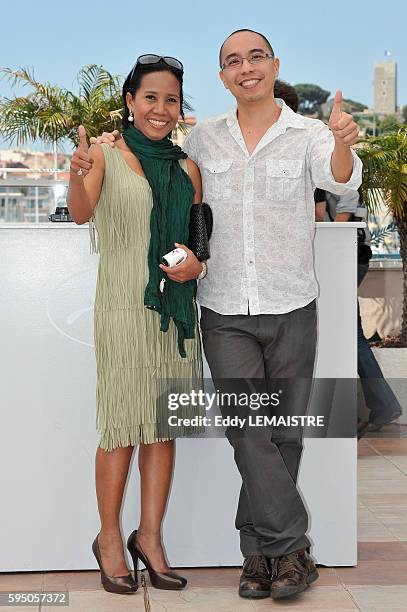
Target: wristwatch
x=204, y=270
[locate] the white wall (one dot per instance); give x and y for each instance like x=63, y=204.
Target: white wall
x=48, y=515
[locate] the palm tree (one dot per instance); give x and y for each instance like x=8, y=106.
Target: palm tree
x=52, y=113
x=385, y=179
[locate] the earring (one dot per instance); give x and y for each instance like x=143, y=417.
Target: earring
x=130, y=118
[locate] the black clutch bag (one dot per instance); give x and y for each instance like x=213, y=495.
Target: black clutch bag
x=200, y=230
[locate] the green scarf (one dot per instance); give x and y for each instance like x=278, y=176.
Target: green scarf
x=173, y=196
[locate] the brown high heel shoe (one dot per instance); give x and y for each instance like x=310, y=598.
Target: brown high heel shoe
x=160, y=580
x=114, y=584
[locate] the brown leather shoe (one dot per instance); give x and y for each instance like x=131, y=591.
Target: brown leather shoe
x=292, y=574
x=308, y=561
x=255, y=579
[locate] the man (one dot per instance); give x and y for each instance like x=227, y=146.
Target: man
x=332, y=207
x=380, y=400
x=260, y=164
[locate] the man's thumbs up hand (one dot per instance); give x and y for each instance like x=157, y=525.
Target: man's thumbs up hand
x=336, y=111
x=342, y=125
x=81, y=162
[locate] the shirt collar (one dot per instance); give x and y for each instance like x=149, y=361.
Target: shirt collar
x=288, y=118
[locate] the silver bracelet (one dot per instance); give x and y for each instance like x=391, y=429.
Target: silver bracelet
x=204, y=271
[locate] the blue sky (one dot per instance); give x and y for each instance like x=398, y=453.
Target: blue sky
x=332, y=44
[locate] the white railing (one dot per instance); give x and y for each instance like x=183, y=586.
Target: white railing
x=30, y=195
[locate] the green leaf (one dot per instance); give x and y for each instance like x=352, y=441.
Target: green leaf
x=53, y=113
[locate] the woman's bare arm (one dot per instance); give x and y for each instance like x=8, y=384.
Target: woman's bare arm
x=84, y=190
x=195, y=177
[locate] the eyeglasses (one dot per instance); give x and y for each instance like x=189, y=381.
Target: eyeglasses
x=151, y=58
x=254, y=58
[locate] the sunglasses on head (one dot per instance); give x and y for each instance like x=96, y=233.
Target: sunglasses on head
x=151, y=58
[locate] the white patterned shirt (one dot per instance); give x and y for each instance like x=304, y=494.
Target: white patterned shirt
x=263, y=210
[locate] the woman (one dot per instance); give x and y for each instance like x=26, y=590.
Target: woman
x=139, y=198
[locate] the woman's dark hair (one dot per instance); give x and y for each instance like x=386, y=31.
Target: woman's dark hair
x=286, y=92
x=133, y=82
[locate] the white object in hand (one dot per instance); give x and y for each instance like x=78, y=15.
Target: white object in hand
x=175, y=257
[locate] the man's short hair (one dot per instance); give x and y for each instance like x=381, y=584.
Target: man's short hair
x=245, y=30
x=286, y=92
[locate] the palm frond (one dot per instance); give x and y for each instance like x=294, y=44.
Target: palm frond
x=96, y=82
x=377, y=236
x=18, y=121
x=22, y=76
x=54, y=114
x=53, y=125
x=384, y=160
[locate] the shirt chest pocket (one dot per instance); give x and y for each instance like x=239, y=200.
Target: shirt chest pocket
x=216, y=179
x=284, y=179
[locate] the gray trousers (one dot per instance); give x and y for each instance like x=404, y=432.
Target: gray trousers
x=271, y=516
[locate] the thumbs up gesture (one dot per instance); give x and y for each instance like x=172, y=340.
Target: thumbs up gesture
x=344, y=129
x=81, y=162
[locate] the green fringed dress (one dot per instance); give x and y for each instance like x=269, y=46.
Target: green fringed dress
x=132, y=354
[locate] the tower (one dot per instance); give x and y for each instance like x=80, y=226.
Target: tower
x=385, y=87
